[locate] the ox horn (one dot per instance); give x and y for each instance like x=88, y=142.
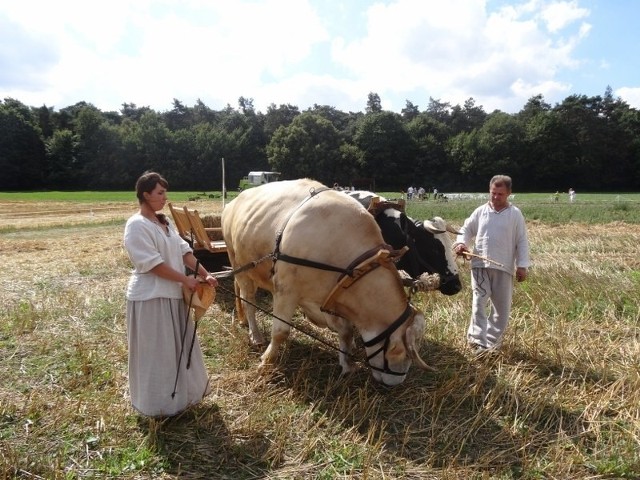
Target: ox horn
x=429, y=225
x=420, y=363
x=453, y=230
x=412, y=350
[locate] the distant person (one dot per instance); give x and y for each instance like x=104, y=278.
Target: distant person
x=500, y=234
x=158, y=324
x=556, y=196
x=410, y=191
x=572, y=195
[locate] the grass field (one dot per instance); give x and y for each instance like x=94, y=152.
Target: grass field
x=589, y=207
x=561, y=401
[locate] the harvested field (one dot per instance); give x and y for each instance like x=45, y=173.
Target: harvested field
x=562, y=400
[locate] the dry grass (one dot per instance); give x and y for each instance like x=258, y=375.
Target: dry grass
x=561, y=401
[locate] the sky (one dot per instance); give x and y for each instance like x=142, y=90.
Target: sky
x=325, y=52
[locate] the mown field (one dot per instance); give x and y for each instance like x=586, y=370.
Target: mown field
x=561, y=401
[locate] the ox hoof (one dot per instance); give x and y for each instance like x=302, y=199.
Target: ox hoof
x=257, y=347
x=257, y=341
x=349, y=368
x=266, y=368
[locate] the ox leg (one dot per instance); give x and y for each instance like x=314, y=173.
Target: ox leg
x=284, y=309
x=344, y=330
x=241, y=315
x=246, y=289
x=345, y=341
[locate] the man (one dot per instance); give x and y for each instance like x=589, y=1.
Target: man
x=501, y=247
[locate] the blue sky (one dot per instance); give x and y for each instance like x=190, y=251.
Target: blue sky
x=325, y=52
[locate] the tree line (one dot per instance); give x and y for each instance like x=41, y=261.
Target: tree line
x=589, y=143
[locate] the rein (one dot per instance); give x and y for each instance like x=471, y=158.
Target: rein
x=385, y=335
x=184, y=334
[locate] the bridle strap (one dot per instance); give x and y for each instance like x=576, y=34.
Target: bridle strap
x=276, y=251
x=310, y=263
x=391, y=328
x=386, y=336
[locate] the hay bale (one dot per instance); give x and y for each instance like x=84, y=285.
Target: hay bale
x=212, y=221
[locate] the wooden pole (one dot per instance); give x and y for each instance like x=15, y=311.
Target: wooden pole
x=224, y=188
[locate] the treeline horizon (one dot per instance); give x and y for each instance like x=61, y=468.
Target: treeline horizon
x=587, y=143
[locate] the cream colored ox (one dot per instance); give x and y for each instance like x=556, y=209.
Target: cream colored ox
x=320, y=250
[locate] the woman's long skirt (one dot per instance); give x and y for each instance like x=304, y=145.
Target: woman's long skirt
x=157, y=338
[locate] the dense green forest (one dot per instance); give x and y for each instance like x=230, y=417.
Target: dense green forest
x=588, y=143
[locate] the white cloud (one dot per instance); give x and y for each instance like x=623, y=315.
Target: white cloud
x=631, y=95
x=558, y=15
x=460, y=50
x=290, y=51
x=150, y=52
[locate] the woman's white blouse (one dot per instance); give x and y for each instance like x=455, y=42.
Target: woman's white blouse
x=148, y=245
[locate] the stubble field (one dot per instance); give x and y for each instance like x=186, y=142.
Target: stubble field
x=562, y=400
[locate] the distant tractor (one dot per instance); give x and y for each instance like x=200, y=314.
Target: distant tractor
x=258, y=178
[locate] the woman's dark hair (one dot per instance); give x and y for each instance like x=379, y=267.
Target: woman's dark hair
x=147, y=182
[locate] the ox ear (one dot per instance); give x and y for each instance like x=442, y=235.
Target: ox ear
x=411, y=343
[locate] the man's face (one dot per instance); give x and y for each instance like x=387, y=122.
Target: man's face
x=499, y=196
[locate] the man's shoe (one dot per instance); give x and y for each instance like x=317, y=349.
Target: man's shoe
x=484, y=353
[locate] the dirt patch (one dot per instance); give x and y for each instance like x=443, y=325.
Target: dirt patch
x=59, y=243
x=24, y=215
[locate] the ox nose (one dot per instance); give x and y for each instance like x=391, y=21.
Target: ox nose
x=390, y=381
x=451, y=286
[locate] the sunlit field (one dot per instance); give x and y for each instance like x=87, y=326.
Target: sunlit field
x=561, y=400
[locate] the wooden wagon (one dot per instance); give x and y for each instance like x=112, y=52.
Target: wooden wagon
x=207, y=242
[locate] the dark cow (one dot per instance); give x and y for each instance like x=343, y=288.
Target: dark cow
x=429, y=244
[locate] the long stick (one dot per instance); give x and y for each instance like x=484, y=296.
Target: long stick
x=486, y=259
x=193, y=340
x=184, y=333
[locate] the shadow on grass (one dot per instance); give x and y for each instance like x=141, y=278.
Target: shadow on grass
x=197, y=444
x=465, y=416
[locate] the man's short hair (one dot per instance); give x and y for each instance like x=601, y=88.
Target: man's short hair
x=500, y=181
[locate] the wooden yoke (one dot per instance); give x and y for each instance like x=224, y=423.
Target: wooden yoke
x=377, y=205
x=383, y=258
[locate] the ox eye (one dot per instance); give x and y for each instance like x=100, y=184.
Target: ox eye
x=396, y=349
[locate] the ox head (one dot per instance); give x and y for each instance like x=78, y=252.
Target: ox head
x=391, y=353
x=429, y=247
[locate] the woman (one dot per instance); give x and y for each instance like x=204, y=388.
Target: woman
x=157, y=316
